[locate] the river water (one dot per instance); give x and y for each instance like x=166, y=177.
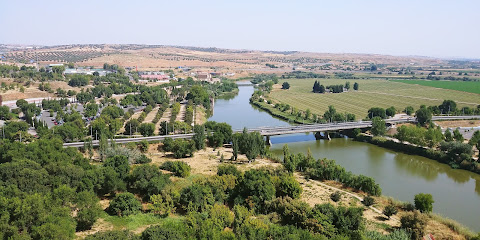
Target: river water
x=456, y=192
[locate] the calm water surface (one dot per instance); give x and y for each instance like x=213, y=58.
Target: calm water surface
x=456, y=192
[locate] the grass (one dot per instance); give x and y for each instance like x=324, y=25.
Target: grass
x=372, y=93
x=452, y=224
x=471, y=87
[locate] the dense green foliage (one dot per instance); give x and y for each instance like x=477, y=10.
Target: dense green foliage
x=323, y=169
x=178, y=168
x=179, y=147
x=124, y=204
x=424, y=202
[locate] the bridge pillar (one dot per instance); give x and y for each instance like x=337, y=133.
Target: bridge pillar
x=327, y=135
x=267, y=141
x=318, y=136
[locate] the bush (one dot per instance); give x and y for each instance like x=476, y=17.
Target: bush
x=147, y=180
x=336, y=196
x=368, y=201
x=288, y=186
x=390, y=210
x=414, y=223
x=179, y=168
x=227, y=169
x=124, y=204
x=162, y=233
x=143, y=159
x=424, y=202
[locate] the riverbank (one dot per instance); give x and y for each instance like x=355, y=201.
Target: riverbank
x=420, y=151
x=279, y=114
x=206, y=162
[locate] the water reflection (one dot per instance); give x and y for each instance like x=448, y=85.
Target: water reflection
x=456, y=192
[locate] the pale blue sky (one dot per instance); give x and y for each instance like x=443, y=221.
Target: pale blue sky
x=439, y=28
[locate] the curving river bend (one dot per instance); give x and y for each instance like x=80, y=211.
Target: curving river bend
x=456, y=192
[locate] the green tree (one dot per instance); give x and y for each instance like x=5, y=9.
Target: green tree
x=378, y=126
x=391, y=111
x=199, y=137
x=448, y=135
x=414, y=223
x=457, y=135
x=424, y=116
x=196, y=198
x=124, y=204
x=355, y=86
x=288, y=186
x=147, y=180
x=146, y=129
x=409, y=110
x=424, y=202
x=390, y=210
x=448, y=106
x=376, y=112
x=285, y=85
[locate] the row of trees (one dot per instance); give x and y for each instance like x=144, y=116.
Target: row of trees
x=323, y=169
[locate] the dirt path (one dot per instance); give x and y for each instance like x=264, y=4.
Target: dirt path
x=151, y=115
x=181, y=114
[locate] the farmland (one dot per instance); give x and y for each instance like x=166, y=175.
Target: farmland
x=372, y=93
x=471, y=87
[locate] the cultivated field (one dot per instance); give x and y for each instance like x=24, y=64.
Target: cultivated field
x=472, y=87
x=372, y=93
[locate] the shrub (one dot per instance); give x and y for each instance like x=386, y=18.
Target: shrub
x=227, y=169
x=336, y=196
x=143, y=159
x=414, y=223
x=148, y=180
x=390, y=210
x=178, y=168
x=368, y=201
x=124, y=204
x=424, y=202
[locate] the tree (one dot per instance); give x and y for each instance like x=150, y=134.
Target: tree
x=288, y=186
x=409, y=110
x=414, y=223
x=424, y=116
x=178, y=168
x=146, y=129
x=124, y=204
x=285, y=85
x=376, y=112
x=355, y=86
x=119, y=164
x=448, y=135
x=390, y=210
x=368, y=201
x=391, y=111
x=147, y=180
x=448, y=106
x=424, y=202
x=5, y=113
x=378, y=126
x=78, y=80
x=457, y=135
x=199, y=137
x=196, y=198
x=347, y=85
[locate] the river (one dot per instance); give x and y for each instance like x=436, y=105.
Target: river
x=456, y=192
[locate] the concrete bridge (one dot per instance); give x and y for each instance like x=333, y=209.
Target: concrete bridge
x=292, y=129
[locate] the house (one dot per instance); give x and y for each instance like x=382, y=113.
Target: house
x=203, y=76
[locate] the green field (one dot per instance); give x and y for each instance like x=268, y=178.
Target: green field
x=372, y=93
x=471, y=87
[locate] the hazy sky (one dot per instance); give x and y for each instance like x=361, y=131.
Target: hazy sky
x=439, y=28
